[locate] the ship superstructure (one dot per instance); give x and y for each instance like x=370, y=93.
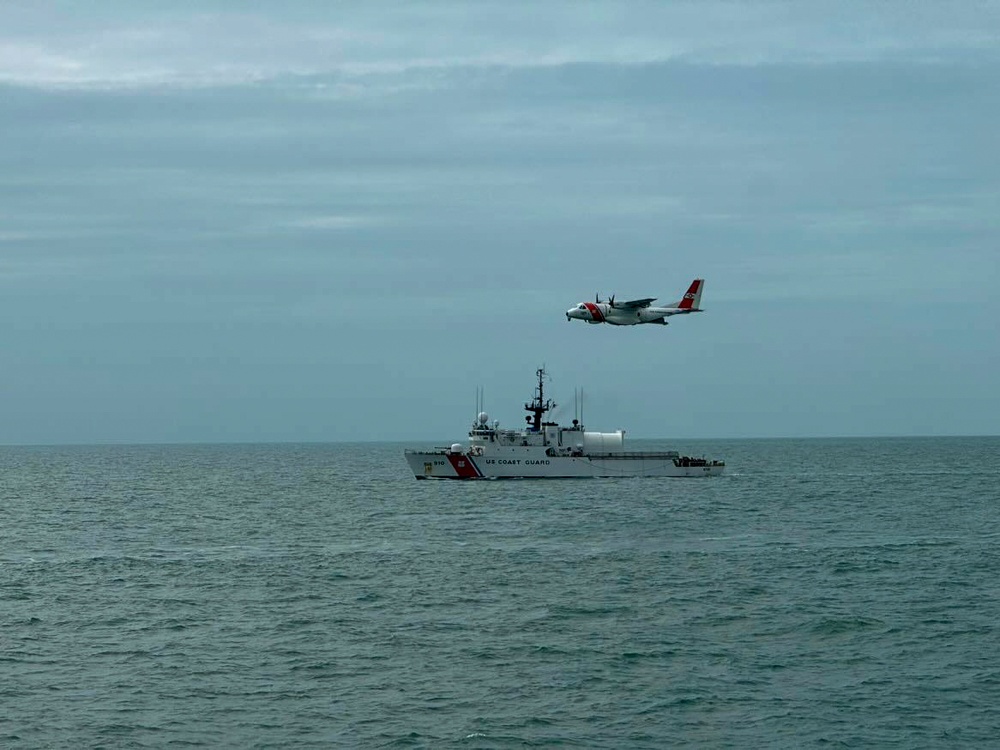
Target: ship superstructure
x=546, y=450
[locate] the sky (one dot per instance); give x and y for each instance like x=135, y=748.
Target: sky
x=312, y=221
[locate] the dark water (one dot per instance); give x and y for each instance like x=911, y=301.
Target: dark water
x=839, y=593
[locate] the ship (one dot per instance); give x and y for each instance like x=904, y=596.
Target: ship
x=546, y=450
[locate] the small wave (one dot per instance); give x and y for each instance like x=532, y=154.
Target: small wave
x=561, y=612
x=842, y=625
x=550, y=650
x=413, y=739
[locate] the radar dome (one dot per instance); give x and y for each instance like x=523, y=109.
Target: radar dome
x=483, y=417
x=456, y=447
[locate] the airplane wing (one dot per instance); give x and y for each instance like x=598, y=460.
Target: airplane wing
x=635, y=303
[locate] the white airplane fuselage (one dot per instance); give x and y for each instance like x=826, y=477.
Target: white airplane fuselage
x=602, y=312
x=634, y=312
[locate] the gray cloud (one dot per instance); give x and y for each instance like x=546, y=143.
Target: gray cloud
x=123, y=45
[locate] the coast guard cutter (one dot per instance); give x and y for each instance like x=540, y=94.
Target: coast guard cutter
x=546, y=450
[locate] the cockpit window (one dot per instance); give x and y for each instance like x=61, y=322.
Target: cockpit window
x=581, y=306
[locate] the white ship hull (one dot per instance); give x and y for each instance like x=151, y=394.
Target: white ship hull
x=531, y=463
x=546, y=450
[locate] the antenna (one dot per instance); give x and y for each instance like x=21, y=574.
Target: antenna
x=538, y=405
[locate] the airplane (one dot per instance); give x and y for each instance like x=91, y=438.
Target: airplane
x=636, y=311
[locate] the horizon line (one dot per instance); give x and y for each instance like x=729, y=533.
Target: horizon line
x=122, y=444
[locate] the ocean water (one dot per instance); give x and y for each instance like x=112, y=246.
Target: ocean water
x=840, y=593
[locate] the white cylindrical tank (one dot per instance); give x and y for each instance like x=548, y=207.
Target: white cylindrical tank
x=604, y=442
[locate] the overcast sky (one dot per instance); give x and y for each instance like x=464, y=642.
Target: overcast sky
x=230, y=221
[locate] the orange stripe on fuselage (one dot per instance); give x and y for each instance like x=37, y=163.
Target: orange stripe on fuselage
x=595, y=312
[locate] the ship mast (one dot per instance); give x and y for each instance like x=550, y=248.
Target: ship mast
x=539, y=405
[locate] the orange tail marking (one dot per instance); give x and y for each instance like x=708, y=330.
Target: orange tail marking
x=688, y=302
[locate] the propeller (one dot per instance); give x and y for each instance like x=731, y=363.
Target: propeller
x=597, y=298
x=612, y=300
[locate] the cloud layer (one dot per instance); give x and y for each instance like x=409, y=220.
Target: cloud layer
x=334, y=221
x=121, y=45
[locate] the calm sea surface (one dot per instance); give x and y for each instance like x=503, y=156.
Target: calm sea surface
x=825, y=592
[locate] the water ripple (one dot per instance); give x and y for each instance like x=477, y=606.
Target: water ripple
x=317, y=596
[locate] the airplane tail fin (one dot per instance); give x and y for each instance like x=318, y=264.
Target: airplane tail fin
x=692, y=298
